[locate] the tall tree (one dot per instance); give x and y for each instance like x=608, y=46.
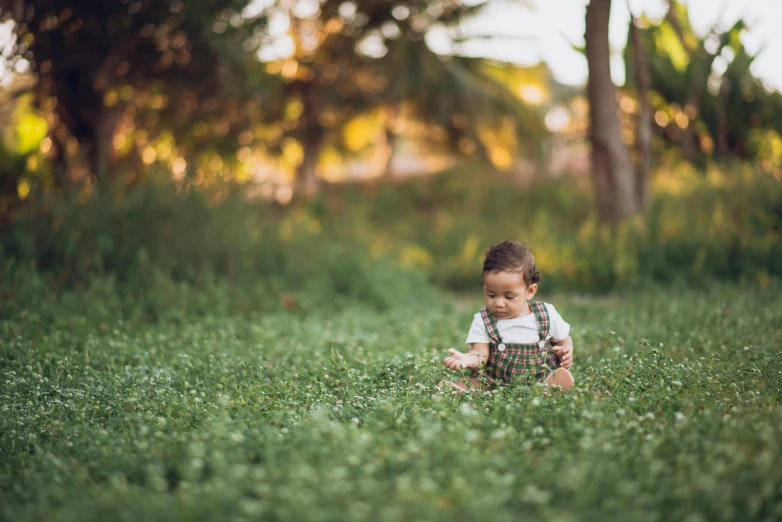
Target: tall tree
x=642, y=78
x=698, y=66
x=611, y=163
x=704, y=90
x=95, y=58
x=352, y=57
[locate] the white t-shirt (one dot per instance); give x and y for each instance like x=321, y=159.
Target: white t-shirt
x=521, y=330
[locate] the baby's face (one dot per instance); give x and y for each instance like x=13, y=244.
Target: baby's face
x=506, y=294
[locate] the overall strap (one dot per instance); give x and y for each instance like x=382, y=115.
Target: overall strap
x=491, y=325
x=542, y=318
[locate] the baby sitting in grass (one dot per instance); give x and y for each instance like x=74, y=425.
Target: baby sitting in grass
x=512, y=336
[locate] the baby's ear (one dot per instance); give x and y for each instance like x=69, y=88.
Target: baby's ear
x=531, y=291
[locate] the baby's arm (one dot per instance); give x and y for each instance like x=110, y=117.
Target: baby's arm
x=471, y=360
x=564, y=351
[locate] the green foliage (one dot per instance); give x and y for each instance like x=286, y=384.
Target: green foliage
x=95, y=59
x=154, y=246
x=667, y=42
x=29, y=129
x=696, y=229
x=124, y=77
x=725, y=109
x=353, y=69
x=23, y=129
x=676, y=416
x=176, y=255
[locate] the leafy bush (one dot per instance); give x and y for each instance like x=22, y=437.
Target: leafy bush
x=724, y=225
x=153, y=252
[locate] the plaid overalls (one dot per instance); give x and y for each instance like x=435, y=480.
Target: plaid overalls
x=508, y=361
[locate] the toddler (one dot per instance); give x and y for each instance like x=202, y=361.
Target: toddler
x=513, y=336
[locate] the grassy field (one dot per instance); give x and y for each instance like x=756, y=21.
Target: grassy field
x=334, y=416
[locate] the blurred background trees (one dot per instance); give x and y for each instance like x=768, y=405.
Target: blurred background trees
x=286, y=103
x=302, y=92
x=615, y=184
x=115, y=80
x=675, y=93
x=129, y=68
x=351, y=65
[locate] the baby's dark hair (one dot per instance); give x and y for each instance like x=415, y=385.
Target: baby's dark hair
x=512, y=256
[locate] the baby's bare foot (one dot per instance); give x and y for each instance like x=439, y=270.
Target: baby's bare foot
x=461, y=385
x=562, y=378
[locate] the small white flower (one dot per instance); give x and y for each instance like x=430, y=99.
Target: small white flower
x=497, y=434
x=466, y=410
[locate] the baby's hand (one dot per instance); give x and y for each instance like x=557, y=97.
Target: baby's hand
x=458, y=360
x=565, y=355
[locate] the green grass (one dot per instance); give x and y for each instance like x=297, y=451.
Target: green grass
x=333, y=415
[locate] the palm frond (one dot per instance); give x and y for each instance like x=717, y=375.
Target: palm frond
x=441, y=88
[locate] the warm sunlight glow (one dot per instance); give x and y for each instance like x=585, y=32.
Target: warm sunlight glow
x=148, y=156
x=23, y=189
x=284, y=194
x=532, y=94
x=179, y=168
x=682, y=120
x=111, y=98
x=707, y=144
x=119, y=141
x=243, y=154
x=557, y=119
x=628, y=104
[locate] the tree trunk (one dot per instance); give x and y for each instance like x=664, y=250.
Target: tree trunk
x=58, y=134
x=59, y=161
x=9, y=198
x=611, y=162
x=100, y=150
x=643, y=81
x=687, y=139
x=312, y=133
x=307, y=183
x=722, y=117
x=701, y=62
x=391, y=141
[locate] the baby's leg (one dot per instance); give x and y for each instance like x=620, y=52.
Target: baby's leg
x=462, y=385
x=561, y=377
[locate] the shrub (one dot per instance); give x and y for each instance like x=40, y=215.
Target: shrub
x=154, y=247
